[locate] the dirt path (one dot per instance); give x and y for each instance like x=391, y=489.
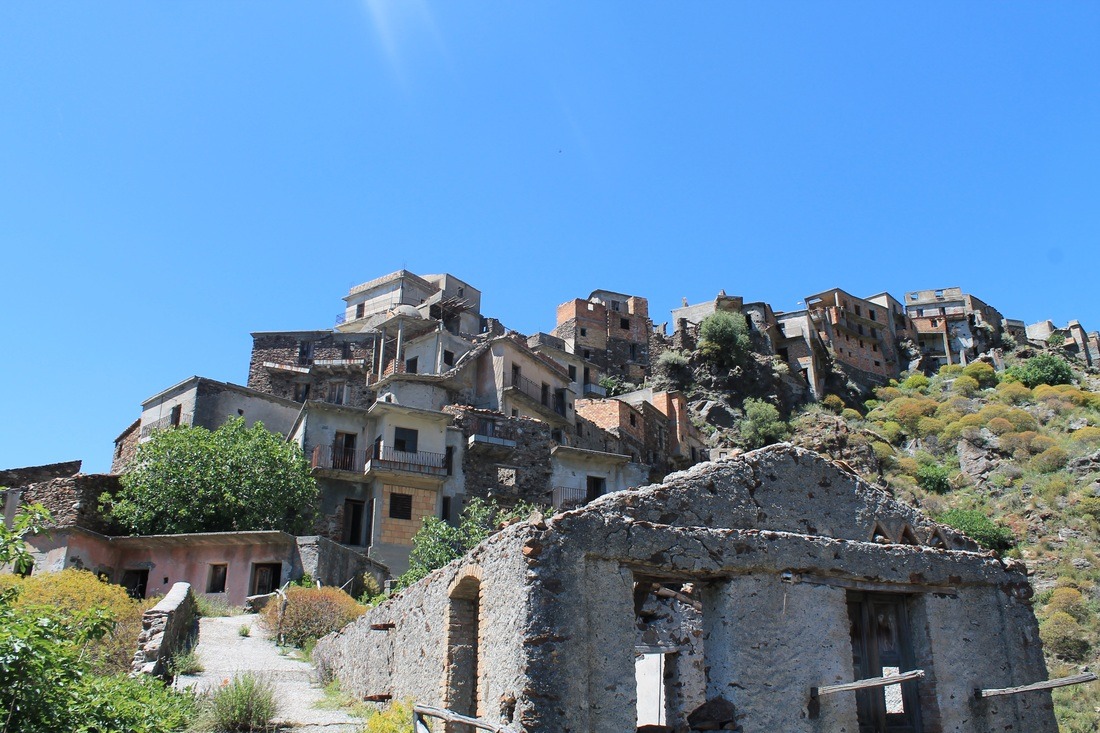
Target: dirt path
x=224, y=653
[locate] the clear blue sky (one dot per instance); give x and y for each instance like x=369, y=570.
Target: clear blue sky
x=175, y=175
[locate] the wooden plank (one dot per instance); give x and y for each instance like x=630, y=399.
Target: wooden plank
x=450, y=716
x=1048, y=685
x=872, y=586
x=383, y=626
x=914, y=674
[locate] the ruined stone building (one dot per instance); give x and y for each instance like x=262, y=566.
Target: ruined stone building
x=952, y=327
x=861, y=334
x=730, y=597
x=610, y=330
x=1084, y=345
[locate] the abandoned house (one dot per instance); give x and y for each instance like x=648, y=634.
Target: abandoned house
x=952, y=327
x=734, y=596
x=860, y=333
x=610, y=330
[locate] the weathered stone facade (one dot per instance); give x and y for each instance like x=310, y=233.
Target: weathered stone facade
x=320, y=365
x=72, y=500
x=167, y=629
x=776, y=554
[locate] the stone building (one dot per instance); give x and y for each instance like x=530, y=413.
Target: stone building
x=1076, y=341
x=801, y=347
x=860, y=333
x=611, y=330
x=750, y=584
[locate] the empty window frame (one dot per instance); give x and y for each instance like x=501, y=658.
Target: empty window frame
x=215, y=583
x=405, y=439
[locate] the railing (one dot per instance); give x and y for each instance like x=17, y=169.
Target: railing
x=569, y=496
x=415, y=461
x=335, y=458
x=492, y=429
x=164, y=423
x=546, y=397
x=595, y=389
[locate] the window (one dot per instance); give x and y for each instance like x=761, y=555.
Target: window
x=615, y=305
x=572, y=373
x=449, y=460
x=216, y=583
x=584, y=332
x=177, y=413
x=401, y=506
x=410, y=365
x=301, y=392
x=587, y=354
x=404, y=439
x=448, y=357
x=871, y=313
x=633, y=420
x=858, y=311
x=337, y=393
x=633, y=352
x=624, y=323
x=557, y=435
x=461, y=292
x=360, y=310
x=939, y=294
x=305, y=353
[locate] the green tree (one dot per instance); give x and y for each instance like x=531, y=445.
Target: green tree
x=1042, y=369
x=437, y=543
x=934, y=477
x=724, y=338
x=30, y=519
x=762, y=424
x=234, y=478
x=979, y=528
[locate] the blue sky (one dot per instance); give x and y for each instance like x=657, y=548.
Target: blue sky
x=176, y=175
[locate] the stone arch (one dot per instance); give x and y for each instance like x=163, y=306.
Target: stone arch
x=907, y=536
x=462, y=686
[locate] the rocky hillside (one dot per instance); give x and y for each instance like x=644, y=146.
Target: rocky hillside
x=1010, y=457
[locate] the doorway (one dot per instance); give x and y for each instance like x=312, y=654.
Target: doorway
x=135, y=582
x=881, y=646
x=265, y=578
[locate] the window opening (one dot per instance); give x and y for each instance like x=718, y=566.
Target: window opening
x=401, y=506
x=448, y=357
x=405, y=439
x=353, y=518
x=176, y=414
x=595, y=487
x=410, y=365
x=216, y=582
x=265, y=578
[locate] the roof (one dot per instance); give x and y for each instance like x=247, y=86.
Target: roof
x=248, y=391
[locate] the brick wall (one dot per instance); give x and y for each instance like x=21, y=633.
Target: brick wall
x=401, y=531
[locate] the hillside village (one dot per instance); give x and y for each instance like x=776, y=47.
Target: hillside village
x=415, y=403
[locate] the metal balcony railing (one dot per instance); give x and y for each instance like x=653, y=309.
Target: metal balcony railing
x=565, y=497
x=595, y=389
x=492, y=429
x=416, y=461
x=543, y=394
x=339, y=459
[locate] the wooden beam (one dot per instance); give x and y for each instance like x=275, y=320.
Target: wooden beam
x=872, y=586
x=450, y=716
x=914, y=674
x=1048, y=685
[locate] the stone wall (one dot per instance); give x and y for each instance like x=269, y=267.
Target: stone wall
x=14, y=478
x=768, y=550
x=337, y=565
x=74, y=500
x=125, y=447
x=287, y=348
x=167, y=629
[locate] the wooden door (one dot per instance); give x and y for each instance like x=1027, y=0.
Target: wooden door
x=881, y=645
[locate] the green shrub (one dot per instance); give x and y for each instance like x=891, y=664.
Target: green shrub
x=1014, y=393
x=833, y=402
x=394, y=719
x=888, y=394
x=928, y=426
x=1056, y=340
x=981, y=372
x=762, y=424
x=892, y=431
x=244, y=631
x=934, y=478
x=672, y=366
x=979, y=528
x=1090, y=505
x=965, y=385
x=916, y=382
x=211, y=607
x=1013, y=442
x=849, y=414
x=883, y=452
x=950, y=370
x=1043, y=369
x=1040, y=443
x=909, y=410
x=999, y=426
x=372, y=590
x=244, y=703
x=1069, y=600
x=1050, y=460
x=187, y=662
x=1064, y=637
x=311, y=613
x=724, y=338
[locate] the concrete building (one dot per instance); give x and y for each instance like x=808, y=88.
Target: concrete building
x=1076, y=341
x=751, y=596
x=801, y=347
x=444, y=298
x=952, y=327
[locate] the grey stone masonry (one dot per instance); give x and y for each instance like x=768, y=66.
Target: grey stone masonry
x=167, y=628
x=745, y=576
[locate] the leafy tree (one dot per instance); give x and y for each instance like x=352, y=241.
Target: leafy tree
x=724, y=338
x=616, y=386
x=1056, y=340
x=762, y=424
x=437, y=543
x=232, y=479
x=935, y=478
x=30, y=519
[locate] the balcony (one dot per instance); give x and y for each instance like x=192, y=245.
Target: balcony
x=594, y=389
x=542, y=395
x=491, y=437
x=165, y=423
x=381, y=459
x=568, y=497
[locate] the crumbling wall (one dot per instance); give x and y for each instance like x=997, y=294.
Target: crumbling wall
x=74, y=500
x=505, y=473
x=337, y=565
x=167, y=629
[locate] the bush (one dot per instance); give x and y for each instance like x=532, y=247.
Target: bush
x=833, y=403
x=1041, y=443
x=909, y=410
x=929, y=426
x=999, y=426
x=245, y=703
x=979, y=528
x=981, y=372
x=1043, y=369
x=1050, y=460
x=965, y=385
x=916, y=382
x=762, y=424
x=1017, y=442
x=934, y=478
x=724, y=338
x=1013, y=393
x=888, y=394
x=394, y=719
x=1063, y=637
x=1069, y=600
x=76, y=593
x=950, y=370
x=892, y=431
x=1056, y=340
x=311, y=613
x=850, y=415
x=672, y=367
x=1088, y=434
x=208, y=607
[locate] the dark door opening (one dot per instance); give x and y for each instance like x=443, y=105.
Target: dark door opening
x=135, y=582
x=353, y=521
x=265, y=578
x=343, y=453
x=596, y=487
x=881, y=646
